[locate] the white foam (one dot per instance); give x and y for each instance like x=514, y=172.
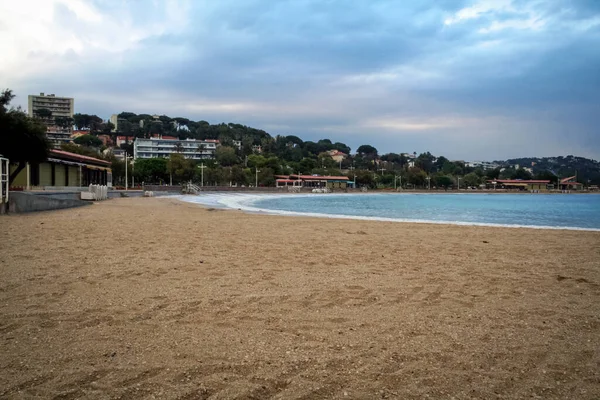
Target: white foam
x=244, y=201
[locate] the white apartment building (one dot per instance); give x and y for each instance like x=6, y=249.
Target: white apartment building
x=189, y=148
x=114, y=119
x=59, y=107
x=485, y=165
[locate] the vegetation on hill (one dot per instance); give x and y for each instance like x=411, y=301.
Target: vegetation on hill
x=586, y=170
x=248, y=155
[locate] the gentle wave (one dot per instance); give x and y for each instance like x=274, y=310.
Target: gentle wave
x=244, y=202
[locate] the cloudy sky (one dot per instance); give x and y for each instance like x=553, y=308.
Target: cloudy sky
x=478, y=79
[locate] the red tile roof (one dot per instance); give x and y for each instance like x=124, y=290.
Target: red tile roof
x=570, y=179
x=519, y=181
x=319, y=178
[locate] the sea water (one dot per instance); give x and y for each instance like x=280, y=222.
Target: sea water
x=562, y=211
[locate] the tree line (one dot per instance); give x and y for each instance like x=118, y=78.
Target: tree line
x=248, y=156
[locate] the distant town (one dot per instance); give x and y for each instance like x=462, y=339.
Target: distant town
x=132, y=149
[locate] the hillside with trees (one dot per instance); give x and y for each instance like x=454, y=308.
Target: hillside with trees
x=586, y=170
x=290, y=154
x=248, y=155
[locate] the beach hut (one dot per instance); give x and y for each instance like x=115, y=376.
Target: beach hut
x=64, y=169
x=570, y=183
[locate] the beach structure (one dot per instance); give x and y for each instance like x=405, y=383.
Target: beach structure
x=64, y=169
x=314, y=181
x=519, y=184
x=570, y=183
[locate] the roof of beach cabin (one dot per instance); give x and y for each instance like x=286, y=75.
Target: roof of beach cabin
x=319, y=177
x=60, y=154
x=516, y=181
x=569, y=181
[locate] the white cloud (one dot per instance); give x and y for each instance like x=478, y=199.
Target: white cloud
x=532, y=23
x=35, y=36
x=478, y=9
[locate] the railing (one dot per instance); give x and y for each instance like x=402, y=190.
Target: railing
x=4, y=178
x=192, y=188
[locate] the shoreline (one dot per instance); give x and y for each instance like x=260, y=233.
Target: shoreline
x=247, y=206
x=283, y=190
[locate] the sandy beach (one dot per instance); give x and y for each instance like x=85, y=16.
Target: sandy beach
x=155, y=298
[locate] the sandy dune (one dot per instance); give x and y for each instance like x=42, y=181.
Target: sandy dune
x=155, y=298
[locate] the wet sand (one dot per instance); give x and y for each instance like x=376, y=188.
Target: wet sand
x=155, y=298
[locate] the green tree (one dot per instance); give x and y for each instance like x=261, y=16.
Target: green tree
x=43, y=113
x=180, y=168
x=522, y=174
x=265, y=177
x=472, y=179
x=88, y=140
x=492, y=173
x=425, y=161
x=444, y=181
x=256, y=161
x=367, y=151
x=151, y=169
x=237, y=175
x=108, y=127
x=212, y=175
x=226, y=156
x=307, y=165
x=448, y=168
x=325, y=161
x=363, y=178
x=83, y=150
x=416, y=176
x=546, y=175
x=64, y=122
x=118, y=170
x=22, y=139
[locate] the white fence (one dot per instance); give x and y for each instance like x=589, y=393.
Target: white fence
x=95, y=192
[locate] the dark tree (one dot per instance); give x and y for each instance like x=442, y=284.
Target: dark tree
x=88, y=140
x=43, y=113
x=22, y=139
x=367, y=150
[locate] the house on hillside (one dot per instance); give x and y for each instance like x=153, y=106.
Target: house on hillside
x=338, y=156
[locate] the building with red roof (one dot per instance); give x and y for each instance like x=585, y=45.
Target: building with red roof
x=314, y=181
x=64, y=169
x=520, y=184
x=570, y=183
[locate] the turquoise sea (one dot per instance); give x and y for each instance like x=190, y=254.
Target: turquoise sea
x=566, y=211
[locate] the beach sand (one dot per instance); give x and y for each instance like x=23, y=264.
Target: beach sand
x=156, y=298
